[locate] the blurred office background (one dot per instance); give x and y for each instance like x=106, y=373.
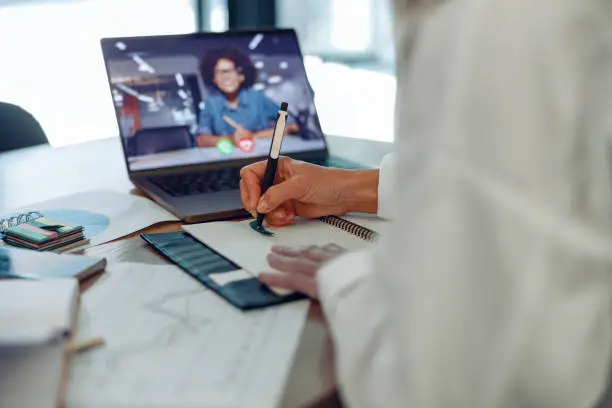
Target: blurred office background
x=51, y=62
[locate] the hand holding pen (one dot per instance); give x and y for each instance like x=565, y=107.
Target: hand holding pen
x=272, y=162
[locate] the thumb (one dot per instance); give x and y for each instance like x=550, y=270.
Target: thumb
x=292, y=189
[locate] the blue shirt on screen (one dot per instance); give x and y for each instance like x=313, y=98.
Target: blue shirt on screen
x=255, y=112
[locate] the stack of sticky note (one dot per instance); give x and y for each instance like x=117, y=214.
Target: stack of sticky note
x=44, y=234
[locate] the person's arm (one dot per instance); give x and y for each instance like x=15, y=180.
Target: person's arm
x=290, y=128
x=307, y=190
x=356, y=308
x=497, y=273
x=269, y=110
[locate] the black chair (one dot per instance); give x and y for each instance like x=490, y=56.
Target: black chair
x=19, y=129
x=158, y=140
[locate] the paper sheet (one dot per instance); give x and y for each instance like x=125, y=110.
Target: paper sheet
x=245, y=247
x=31, y=376
x=170, y=342
x=124, y=213
x=133, y=249
x=35, y=312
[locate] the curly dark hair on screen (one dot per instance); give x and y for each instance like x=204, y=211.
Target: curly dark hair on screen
x=241, y=61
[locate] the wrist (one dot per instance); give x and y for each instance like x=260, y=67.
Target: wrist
x=360, y=190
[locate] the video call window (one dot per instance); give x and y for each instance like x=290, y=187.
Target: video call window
x=206, y=89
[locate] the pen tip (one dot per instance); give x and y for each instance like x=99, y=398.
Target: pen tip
x=284, y=106
x=260, y=229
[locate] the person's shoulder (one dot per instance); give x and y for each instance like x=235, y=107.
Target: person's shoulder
x=214, y=100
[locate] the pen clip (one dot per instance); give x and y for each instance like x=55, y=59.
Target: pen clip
x=277, y=136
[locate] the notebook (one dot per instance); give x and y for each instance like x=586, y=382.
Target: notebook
x=248, y=249
x=25, y=264
x=36, y=321
x=33, y=230
x=104, y=214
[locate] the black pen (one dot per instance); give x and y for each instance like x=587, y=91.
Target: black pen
x=275, y=147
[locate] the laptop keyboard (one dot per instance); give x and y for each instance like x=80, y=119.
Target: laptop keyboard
x=185, y=184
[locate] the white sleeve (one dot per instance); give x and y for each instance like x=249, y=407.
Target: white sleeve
x=358, y=318
x=386, y=183
x=498, y=275
x=366, y=358
x=494, y=287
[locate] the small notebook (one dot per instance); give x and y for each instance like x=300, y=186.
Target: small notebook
x=248, y=249
x=33, y=230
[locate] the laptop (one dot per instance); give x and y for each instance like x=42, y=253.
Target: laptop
x=194, y=109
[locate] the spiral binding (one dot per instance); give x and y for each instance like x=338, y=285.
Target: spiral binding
x=15, y=220
x=350, y=227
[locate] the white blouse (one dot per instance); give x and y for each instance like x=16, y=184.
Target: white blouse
x=494, y=286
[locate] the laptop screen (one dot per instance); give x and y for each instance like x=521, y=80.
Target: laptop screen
x=203, y=98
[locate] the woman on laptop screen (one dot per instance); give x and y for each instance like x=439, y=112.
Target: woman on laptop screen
x=234, y=111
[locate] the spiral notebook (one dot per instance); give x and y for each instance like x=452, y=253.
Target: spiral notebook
x=17, y=219
x=32, y=230
x=355, y=225
x=248, y=249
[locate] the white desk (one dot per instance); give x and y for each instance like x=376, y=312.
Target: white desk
x=42, y=173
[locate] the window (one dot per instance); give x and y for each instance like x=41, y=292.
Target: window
x=350, y=49
x=52, y=63
x=352, y=101
x=350, y=30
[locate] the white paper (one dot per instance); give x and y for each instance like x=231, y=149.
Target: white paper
x=31, y=376
x=170, y=342
x=224, y=278
x=127, y=213
x=36, y=312
x=249, y=249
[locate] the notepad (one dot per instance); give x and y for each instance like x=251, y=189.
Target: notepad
x=36, y=312
x=248, y=249
x=33, y=230
x=36, y=320
x=105, y=215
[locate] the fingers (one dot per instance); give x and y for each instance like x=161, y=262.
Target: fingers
x=251, y=184
x=292, y=281
x=313, y=252
x=292, y=189
x=334, y=249
x=253, y=175
x=280, y=217
x=294, y=265
x=259, y=168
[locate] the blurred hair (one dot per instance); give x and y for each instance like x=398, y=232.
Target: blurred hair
x=241, y=62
